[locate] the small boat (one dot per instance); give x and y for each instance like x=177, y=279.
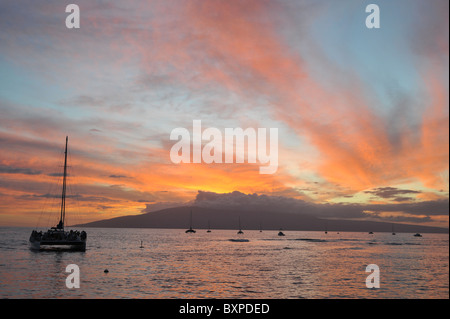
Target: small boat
x=57, y=237
x=239, y=240
x=280, y=233
x=240, y=230
x=370, y=233
x=209, y=228
x=190, y=230
x=417, y=235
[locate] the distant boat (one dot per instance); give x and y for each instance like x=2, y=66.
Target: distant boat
x=57, y=236
x=417, y=235
x=239, y=240
x=280, y=233
x=371, y=233
x=240, y=230
x=190, y=230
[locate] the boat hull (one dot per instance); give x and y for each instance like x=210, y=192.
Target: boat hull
x=58, y=245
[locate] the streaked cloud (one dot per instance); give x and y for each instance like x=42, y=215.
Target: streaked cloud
x=18, y=170
x=426, y=211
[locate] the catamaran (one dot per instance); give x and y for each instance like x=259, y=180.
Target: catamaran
x=57, y=237
x=190, y=230
x=240, y=229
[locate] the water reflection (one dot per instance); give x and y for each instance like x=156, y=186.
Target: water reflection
x=208, y=265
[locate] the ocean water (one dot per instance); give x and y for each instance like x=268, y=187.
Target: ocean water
x=220, y=264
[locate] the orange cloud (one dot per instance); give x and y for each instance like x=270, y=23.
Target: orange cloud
x=353, y=140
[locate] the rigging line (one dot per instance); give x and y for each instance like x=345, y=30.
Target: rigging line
x=73, y=194
x=50, y=197
x=53, y=202
x=45, y=204
x=56, y=197
x=76, y=194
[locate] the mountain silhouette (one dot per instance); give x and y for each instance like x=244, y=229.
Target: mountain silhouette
x=179, y=217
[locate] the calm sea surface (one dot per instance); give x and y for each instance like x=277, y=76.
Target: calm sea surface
x=173, y=264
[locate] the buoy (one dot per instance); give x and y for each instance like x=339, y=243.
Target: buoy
x=106, y=271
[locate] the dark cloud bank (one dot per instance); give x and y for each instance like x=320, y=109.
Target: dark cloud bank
x=274, y=212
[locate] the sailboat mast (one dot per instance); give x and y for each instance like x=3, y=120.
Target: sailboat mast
x=63, y=195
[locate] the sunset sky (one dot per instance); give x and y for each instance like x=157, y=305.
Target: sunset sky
x=362, y=114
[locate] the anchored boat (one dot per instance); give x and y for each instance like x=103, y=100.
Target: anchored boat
x=190, y=230
x=240, y=229
x=57, y=237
